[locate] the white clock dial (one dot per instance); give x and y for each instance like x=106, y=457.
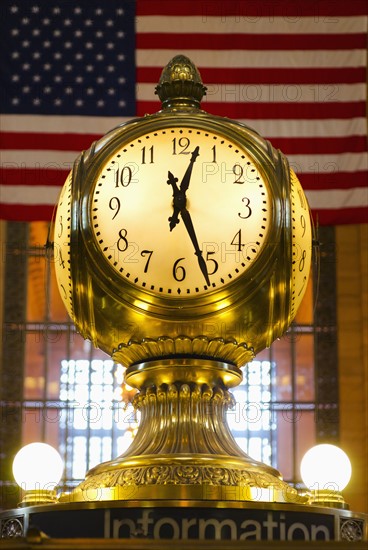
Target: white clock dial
x=62, y=245
x=180, y=212
x=301, y=243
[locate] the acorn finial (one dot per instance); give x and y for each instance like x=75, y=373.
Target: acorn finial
x=180, y=84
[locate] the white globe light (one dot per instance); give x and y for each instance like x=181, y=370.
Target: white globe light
x=325, y=467
x=37, y=466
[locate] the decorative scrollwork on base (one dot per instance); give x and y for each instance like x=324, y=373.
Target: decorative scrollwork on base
x=183, y=442
x=12, y=528
x=351, y=530
x=173, y=474
x=229, y=351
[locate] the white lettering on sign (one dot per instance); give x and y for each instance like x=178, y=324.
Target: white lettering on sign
x=217, y=527
x=272, y=528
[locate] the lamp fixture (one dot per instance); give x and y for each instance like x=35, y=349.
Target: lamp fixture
x=37, y=469
x=326, y=470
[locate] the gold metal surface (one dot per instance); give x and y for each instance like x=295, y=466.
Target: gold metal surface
x=183, y=352
x=329, y=498
x=186, y=370
x=38, y=496
x=183, y=448
x=139, y=544
x=180, y=84
x=216, y=349
x=65, y=502
x=122, y=319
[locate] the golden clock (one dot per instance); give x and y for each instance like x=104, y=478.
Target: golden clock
x=183, y=248
x=178, y=218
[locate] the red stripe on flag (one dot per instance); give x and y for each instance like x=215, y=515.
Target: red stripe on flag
x=47, y=141
x=16, y=212
x=259, y=42
x=257, y=111
x=32, y=176
x=317, y=145
x=320, y=145
x=250, y=75
x=327, y=177
x=325, y=11
x=342, y=216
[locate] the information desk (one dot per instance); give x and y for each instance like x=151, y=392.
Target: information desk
x=192, y=520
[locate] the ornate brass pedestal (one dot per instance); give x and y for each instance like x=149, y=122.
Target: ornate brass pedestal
x=183, y=448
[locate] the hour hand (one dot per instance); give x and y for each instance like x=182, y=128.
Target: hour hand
x=172, y=180
x=179, y=200
x=174, y=219
x=189, y=226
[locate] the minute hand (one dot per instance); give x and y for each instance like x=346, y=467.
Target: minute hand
x=189, y=226
x=186, y=178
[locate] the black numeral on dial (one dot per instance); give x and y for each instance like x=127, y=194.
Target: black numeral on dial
x=147, y=253
x=123, y=176
x=147, y=155
x=179, y=272
x=237, y=241
x=247, y=209
x=122, y=242
x=114, y=205
x=180, y=146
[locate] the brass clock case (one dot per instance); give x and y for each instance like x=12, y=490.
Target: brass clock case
x=247, y=310
x=98, y=288
x=183, y=347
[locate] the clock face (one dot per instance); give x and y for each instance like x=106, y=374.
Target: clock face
x=301, y=239
x=62, y=245
x=180, y=212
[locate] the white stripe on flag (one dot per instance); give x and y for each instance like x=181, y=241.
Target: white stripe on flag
x=247, y=24
x=29, y=194
x=266, y=127
x=346, y=162
x=39, y=158
x=338, y=198
x=270, y=93
x=256, y=59
x=325, y=128
x=60, y=124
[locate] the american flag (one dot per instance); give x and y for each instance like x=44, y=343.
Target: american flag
x=295, y=71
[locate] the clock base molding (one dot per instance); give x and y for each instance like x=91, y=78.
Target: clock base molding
x=172, y=348
x=184, y=478
x=183, y=447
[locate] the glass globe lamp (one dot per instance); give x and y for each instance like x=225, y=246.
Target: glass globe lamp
x=37, y=469
x=326, y=471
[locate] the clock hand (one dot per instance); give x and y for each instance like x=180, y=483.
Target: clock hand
x=179, y=205
x=174, y=219
x=189, y=226
x=179, y=194
x=173, y=181
x=186, y=178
